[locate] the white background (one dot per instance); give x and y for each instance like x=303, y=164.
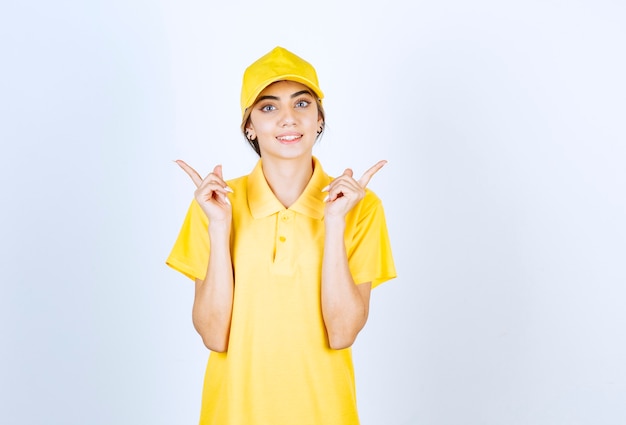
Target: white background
x=504, y=127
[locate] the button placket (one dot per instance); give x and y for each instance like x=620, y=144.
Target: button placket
x=284, y=229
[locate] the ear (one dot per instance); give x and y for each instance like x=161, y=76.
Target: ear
x=250, y=133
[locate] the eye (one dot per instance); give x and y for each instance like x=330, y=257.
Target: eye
x=267, y=108
x=302, y=103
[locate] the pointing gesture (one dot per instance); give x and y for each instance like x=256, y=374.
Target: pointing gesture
x=345, y=192
x=211, y=192
x=367, y=176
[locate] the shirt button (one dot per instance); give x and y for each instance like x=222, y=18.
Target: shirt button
x=282, y=239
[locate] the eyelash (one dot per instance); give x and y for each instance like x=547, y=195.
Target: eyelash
x=306, y=102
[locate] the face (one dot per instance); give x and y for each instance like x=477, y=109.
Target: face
x=285, y=120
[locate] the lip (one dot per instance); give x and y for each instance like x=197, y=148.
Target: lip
x=289, y=138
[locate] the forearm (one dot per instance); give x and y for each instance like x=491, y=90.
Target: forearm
x=213, y=300
x=344, y=308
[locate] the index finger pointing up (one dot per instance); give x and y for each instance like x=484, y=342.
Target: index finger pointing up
x=367, y=176
x=195, y=177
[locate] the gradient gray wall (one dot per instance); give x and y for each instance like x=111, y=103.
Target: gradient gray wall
x=504, y=127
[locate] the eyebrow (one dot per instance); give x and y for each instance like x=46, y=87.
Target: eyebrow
x=301, y=92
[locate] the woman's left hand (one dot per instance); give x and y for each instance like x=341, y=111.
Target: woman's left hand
x=345, y=192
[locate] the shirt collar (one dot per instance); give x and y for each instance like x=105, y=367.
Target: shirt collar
x=263, y=202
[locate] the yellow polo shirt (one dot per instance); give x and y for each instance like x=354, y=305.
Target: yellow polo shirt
x=279, y=368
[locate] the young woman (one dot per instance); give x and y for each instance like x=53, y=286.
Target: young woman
x=283, y=260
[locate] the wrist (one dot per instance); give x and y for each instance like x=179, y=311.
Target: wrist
x=219, y=227
x=334, y=223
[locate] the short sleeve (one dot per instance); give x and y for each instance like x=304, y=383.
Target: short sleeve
x=190, y=254
x=369, y=249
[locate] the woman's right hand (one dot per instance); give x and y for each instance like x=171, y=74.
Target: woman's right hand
x=211, y=193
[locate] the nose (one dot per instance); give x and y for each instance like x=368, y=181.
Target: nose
x=287, y=117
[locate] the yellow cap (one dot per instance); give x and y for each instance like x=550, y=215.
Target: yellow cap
x=278, y=65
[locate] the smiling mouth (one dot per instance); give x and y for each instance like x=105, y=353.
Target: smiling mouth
x=290, y=138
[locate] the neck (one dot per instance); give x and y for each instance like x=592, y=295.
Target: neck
x=288, y=179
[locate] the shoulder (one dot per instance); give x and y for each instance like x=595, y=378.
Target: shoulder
x=370, y=201
x=371, y=197
x=239, y=185
x=239, y=196
x=366, y=210
x=237, y=181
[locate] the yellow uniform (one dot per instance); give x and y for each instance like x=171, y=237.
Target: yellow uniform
x=279, y=368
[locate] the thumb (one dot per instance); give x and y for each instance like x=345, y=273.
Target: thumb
x=218, y=171
x=348, y=172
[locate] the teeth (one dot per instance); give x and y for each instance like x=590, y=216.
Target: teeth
x=288, y=137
